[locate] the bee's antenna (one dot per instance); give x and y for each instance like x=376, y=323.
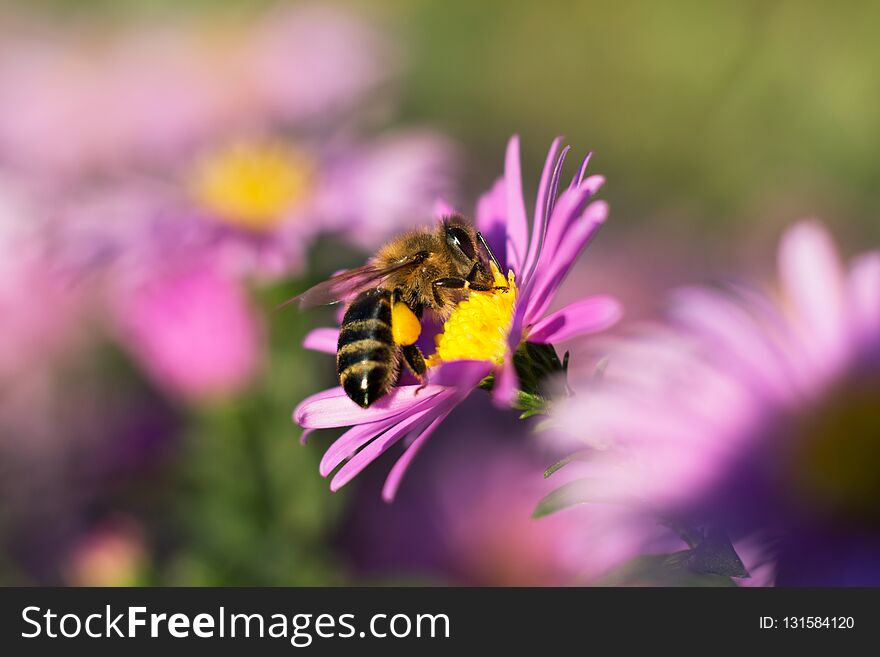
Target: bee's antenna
x=489, y=251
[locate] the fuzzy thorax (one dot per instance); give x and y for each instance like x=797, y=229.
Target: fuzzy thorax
x=252, y=185
x=478, y=327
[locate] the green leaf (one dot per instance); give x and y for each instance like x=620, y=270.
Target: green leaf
x=570, y=494
x=530, y=404
x=577, y=456
x=487, y=383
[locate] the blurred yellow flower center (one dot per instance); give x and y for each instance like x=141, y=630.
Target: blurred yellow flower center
x=252, y=185
x=478, y=327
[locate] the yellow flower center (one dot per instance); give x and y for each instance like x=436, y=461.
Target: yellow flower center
x=478, y=327
x=252, y=185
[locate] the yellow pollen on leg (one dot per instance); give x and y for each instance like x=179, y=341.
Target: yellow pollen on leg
x=405, y=326
x=478, y=327
x=252, y=184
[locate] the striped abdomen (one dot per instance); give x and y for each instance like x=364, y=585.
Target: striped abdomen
x=366, y=356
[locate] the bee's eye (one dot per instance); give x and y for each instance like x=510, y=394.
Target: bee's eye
x=459, y=239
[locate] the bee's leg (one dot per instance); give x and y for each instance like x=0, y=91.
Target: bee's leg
x=451, y=283
x=459, y=283
x=414, y=360
x=478, y=268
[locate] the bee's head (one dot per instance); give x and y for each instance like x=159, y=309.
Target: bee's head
x=460, y=238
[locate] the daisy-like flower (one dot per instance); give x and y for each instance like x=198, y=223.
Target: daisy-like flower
x=176, y=166
x=500, y=334
x=250, y=131
x=747, y=422
x=261, y=201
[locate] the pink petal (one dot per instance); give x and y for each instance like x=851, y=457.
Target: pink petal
x=585, y=316
x=541, y=205
x=322, y=339
x=350, y=442
x=333, y=408
x=392, y=482
x=517, y=222
x=506, y=382
x=372, y=451
x=546, y=281
x=567, y=212
x=813, y=280
x=461, y=374
x=578, y=178
x=747, y=343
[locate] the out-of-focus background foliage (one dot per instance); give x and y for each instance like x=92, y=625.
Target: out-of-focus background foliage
x=715, y=123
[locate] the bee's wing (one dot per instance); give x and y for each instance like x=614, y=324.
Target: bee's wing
x=348, y=283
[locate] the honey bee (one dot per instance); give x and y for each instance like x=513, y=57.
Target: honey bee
x=418, y=271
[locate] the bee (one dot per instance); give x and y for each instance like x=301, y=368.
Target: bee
x=423, y=270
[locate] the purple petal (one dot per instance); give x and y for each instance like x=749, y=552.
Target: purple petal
x=745, y=342
x=372, y=451
x=304, y=437
x=546, y=281
x=813, y=279
x=578, y=178
x=585, y=316
x=461, y=374
x=350, y=442
x=554, y=184
x=506, y=382
x=392, y=482
x=566, y=213
x=570, y=209
x=322, y=339
x=333, y=408
x=517, y=222
x=542, y=203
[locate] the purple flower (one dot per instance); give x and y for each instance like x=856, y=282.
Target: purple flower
x=749, y=419
x=485, y=330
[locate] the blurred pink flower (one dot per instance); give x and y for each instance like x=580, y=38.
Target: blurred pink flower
x=486, y=509
x=247, y=132
x=146, y=94
x=158, y=278
x=755, y=418
x=466, y=517
x=193, y=330
x=383, y=186
x=315, y=60
x=562, y=228
x=41, y=316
